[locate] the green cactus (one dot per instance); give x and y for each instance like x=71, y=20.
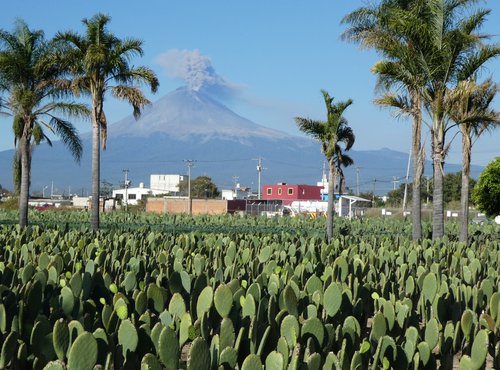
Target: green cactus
x=356, y=361
x=466, y=323
x=248, y=306
x=205, y=300
x=430, y=287
x=432, y=333
x=314, y=328
x=252, y=362
x=223, y=300
x=282, y=348
x=274, y=361
x=290, y=300
x=168, y=348
x=54, y=365
x=331, y=362
x=290, y=330
x=332, y=299
x=379, y=327
x=127, y=337
x=177, y=307
x=199, y=355
x=121, y=308
x=60, y=338
x=228, y=357
x=83, y=353
x=227, y=335
x=9, y=348
x=155, y=335
x=150, y=362
x=478, y=353
x=186, y=325
x=424, y=352
x=156, y=297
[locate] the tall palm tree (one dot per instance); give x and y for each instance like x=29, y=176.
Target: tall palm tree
x=377, y=27
x=346, y=137
x=445, y=47
x=100, y=66
x=468, y=105
x=328, y=133
x=34, y=79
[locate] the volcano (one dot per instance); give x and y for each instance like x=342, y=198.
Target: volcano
x=187, y=124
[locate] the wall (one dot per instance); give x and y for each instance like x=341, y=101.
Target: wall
x=180, y=205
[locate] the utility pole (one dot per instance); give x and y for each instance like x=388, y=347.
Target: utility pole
x=125, y=184
x=373, y=191
x=52, y=190
x=189, y=163
x=259, y=171
x=357, y=180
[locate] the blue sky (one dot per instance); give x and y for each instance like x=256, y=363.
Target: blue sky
x=275, y=56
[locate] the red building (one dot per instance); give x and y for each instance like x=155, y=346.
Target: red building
x=288, y=193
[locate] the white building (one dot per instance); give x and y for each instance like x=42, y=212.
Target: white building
x=237, y=193
x=133, y=195
x=166, y=183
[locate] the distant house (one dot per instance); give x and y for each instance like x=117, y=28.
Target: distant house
x=134, y=195
x=166, y=183
x=289, y=193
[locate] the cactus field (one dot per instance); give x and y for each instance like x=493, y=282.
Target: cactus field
x=245, y=293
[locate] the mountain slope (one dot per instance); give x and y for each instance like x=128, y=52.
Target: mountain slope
x=191, y=125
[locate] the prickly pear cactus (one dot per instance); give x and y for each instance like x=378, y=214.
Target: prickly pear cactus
x=199, y=355
x=223, y=300
x=83, y=353
x=252, y=362
x=168, y=348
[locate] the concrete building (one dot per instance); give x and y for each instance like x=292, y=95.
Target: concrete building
x=132, y=196
x=166, y=183
x=291, y=192
x=237, y=193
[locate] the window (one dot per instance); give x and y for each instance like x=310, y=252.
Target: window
x=119, y=196
x=290, y=191
x=269, y=191
x=279, y=191
x=131, y=196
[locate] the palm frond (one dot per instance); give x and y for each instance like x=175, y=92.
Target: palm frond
x=316, y=129
x=133, y=95
x=68, y=134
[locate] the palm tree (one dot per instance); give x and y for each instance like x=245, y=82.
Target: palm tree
x=443, y=48
x=468, y=105
x=33, y=77
x=328, y=133
x=377, y=27
x=101, y=65
x=341, y=159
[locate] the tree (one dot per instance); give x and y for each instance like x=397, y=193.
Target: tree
x=444, y=48
x=100, y=65
x=328, y=133
x=33, y=76
x=468, y=105
x=486, y=193
x=377, y=27
x=347, y=138
x=201, y=187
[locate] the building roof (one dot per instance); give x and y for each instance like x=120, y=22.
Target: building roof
x=355, y=198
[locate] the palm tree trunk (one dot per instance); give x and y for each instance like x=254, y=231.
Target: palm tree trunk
x=437, y=195
x=25, y=181
x=96, y=171
x=464, y=195
x=331, y=199
x=418, y=168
